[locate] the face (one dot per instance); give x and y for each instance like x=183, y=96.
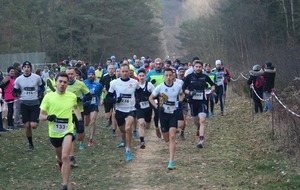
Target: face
x=51, y=76
x=219, y=66
x=181, y=73
x=168, y=76
x=118, y=72
x=198, y=68
x=110, y=70
x=12, y=72
x=62, y=83
x=91, y=77
x=158, y=65
x=71, y=74
x=141, y=77
x=137, y=63
x=125, y=72
x=207, y=69
x=27, y=69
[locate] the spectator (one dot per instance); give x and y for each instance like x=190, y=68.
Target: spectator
x=257, y=80
x=269, y=75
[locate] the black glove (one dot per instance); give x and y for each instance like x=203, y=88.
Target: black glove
x=51, y=117
x=79, y=99
x=192, y=93
x=118, y=99
x=16, y=92
x=228, y=78
x=153, y=81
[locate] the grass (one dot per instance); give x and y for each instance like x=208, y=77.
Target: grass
x=238, y=154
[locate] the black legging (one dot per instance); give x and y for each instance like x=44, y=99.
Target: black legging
x=257, y=101
x=10, y=113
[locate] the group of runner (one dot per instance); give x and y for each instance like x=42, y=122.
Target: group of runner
x=129, y=98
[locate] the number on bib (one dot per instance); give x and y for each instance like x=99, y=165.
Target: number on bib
x=144, y=104
x=60, y=126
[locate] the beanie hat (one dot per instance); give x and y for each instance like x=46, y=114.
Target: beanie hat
x=10, y=68
x=91, y=71
x=27, y=63
x=218, y=62
x=268, y=63
x=63, y=69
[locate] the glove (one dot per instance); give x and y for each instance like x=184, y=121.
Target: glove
x=118, y=99
x=16, y=92
x=192, y=93
x=153, y=81
x=79, y=99
x=51, y=117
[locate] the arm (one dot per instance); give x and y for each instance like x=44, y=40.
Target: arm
x=43, y=115
x=49, y=84
x=151, y=100
x=77, y=113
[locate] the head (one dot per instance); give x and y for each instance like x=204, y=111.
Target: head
x=61, y=81
x=124, y=71
x=146, y=63
x=46, y=68
x=17, y=65
x=142, y=75
x=176, y=63
x=108, y=61
x=137, y=63
x=218, y=63
x=168, y=75
x=91, y=75
x=77, y=73
x=168, y=63
x=158, y=64
x=268, y=64
x=208, y=68
x=38, y=72
x=71, y=73
x=110, y=69
x=256, y=68
x=126, y=62
x=11, y=71
x=113, y=58
x=151, y=65
x=198, y=66
x=134, y=56
x=131, y=71
x=63, y=69
x=118, y=72
x=27, y=67
x=51, y=75
x=181, y=72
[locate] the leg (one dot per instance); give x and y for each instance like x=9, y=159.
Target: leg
x=128, y=123
x=172, y=137
x=93, y=116
x=66, y=147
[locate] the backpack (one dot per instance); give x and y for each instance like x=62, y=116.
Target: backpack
x=260, y=80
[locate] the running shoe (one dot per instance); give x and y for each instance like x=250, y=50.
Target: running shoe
x=158, y=133
x=114, y=134
x=3, y=130
x=91, y=143
x=72, y=162
x=128, y=156
x=30, y=148
x=58, y=166
x=121, y=145
x=222, y=113
x=170, y=165
x=200, y=144
x=80, y=146
x=143, y=145
x=135, y=135
x=182, y=136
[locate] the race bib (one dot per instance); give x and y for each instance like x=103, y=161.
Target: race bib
x=30, y=92
x=198, y=95
x=93, y=101
x=60, y=126
x=169, y=107
x=144, y=104
x=126, y=99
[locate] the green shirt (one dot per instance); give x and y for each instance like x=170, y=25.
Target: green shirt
x=79, y=89
x=60, y=105
x=157, y=76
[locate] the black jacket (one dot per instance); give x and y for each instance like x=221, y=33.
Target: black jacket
x=269, y=75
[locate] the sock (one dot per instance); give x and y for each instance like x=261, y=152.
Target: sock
x=114, y=130
x=127, y=149
x=198, y=126
x=72, y=158
x=60, y=164
x=110, y=119
x=65, y=187
x=142, y=139
x=30, y=140
x=201, y=138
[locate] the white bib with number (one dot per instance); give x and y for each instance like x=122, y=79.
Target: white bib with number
x=198, y=96
x=60, y=126
x=144, y=104
x=169, y=107
x=93, y=100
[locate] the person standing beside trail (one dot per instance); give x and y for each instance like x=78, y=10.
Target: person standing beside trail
x=156, y=77
x=26, y=87
x=168, y=93
x=269, y=75
x=257, y=80
x=194, y=85
x=122, y=93
x=144, y=109
x=56, y=108
x=220, y=74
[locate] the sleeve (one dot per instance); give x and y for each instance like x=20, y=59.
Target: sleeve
x=74, y=99
x=112, y=86
x=40, y=81
x=148, y=76
x=150, y=87
x=84, y=88
x=44, y=104
x=185, y=83
x=16, y=84
x=156, y=91
x=250, y=80
x=208, y=79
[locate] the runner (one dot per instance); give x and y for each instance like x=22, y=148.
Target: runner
x=57, y=108
x=26, y=86
x=168, y=93
x=210, y=97
x=194, y=85
x=79, y=89
x=91, y=107
x=124, y=88
x=51, y=82
x=156, y=77
x=144, y=110
x=220, y=74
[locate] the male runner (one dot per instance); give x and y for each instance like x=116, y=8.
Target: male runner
x=26, y=86
x=124, y=88
x=194, y=85
x=57, y=108
x=168, y=93
x=144, y=109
